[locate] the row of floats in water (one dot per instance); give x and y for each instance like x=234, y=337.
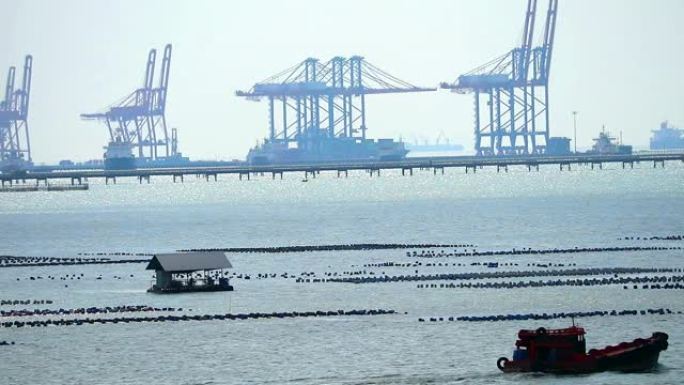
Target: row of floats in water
x=471, y=264
x=68, y=277
x=504, y=274
x=202, y=317
x=338, y=247
x=427, y=251
x=21, y=261
x=675, y=237
x=103, y=257
x=668, y=282
x=529, y=251
x=15, y=302
x=88, y=310
x=552, y=316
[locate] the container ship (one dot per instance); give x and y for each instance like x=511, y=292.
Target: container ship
x=667, y=138
x=327, y=150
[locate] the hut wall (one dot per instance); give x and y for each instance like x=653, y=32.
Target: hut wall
x=163, y=279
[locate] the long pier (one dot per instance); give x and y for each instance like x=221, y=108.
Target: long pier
x=436, y=164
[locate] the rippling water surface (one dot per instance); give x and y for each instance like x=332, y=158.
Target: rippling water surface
x=546, y=209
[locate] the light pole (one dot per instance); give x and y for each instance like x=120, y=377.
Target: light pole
x=574, y=117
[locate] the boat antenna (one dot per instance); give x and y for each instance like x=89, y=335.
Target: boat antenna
x=573, y=320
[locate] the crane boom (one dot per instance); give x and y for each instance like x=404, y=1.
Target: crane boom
x=164, y=79
x=9, y=89
x=549, y=36
x=26, y=87
x=528, y=36
x=149, y=71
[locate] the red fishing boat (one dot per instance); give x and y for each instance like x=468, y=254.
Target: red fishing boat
x=564, y=351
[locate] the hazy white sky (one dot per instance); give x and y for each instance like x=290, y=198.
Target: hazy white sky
x=618, y=62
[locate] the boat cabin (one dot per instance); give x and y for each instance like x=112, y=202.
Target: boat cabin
x=190, y=272
x=550, y=345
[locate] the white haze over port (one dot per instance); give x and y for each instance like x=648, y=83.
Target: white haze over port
x=618, y=62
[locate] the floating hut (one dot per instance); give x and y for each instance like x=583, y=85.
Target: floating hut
x=190, y=272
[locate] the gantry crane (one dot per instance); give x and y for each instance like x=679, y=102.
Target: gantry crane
x=139, y=119
x=511, y=93
x=323, y=99
x=15, y=146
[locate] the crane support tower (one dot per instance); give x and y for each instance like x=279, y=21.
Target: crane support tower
x=511, y=93
x=15, y=146
x=140, y=118
x=319, y=108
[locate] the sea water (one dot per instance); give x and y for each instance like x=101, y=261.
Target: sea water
x=489, y=210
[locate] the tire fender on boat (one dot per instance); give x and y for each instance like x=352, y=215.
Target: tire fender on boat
x=501, y=363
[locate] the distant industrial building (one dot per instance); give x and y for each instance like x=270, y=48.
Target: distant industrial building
x=558, y=146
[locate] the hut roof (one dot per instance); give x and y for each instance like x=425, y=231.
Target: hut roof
x=181, y=262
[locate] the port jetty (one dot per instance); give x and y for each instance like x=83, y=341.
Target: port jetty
x=342, y=168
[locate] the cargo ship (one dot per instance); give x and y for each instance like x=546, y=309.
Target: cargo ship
x=326, y=149
x=607, y=145
x=667, y=138
x=119, y=155
x=177, y=160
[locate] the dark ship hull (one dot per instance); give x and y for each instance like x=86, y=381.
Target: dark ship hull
x=164, y=162
x=120, y=163
x=640, y=358
x=670, y=144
